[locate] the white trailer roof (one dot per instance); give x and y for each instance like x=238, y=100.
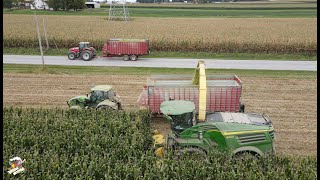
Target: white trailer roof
x=231, y=117
x=180, y=80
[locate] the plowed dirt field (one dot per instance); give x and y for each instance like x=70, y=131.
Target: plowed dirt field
x=290, y=102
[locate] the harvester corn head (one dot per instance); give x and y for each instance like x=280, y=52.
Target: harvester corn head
x=158, y=141
x=201, y=131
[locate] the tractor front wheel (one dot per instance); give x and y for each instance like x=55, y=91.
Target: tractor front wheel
x=72, y=56
x=126, y=58
x=133, y=57
x=87, y=55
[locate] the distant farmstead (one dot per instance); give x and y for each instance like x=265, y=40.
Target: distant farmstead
x=121, y=1
x=92, y=5
x=39, y=4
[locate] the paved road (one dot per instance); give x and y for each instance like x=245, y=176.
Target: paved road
x=166, y=62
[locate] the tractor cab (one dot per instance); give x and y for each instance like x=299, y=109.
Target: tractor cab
x=83, y=45
x=101, y=93
x=180, y=114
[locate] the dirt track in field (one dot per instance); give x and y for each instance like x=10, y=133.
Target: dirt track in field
x=291, y=103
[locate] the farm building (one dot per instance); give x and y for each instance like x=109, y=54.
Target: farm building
x=121, y=1
x=39, y=4
x=33, y=4
x=92, y=5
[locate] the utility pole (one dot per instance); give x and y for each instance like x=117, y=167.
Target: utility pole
x=45, y=32
x=39, y=38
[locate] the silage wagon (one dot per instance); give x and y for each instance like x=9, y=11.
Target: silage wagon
x=223, y=92
x=129, y=49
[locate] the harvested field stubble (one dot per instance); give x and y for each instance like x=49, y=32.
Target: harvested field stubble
x=290, y=102
x=248, y=35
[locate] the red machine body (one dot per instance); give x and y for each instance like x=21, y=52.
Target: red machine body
x=84, y=51
x=129, y=49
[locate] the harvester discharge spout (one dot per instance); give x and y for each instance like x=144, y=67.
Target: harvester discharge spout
x=175, y=110
x=201, y=80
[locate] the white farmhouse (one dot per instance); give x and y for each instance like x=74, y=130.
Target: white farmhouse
x=39, y=4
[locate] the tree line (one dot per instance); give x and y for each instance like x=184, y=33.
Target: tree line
x=55, y=4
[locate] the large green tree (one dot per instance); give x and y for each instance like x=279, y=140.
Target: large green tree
x=66, y=4
x=76, y=4
x=7, y=4
x=55, y=4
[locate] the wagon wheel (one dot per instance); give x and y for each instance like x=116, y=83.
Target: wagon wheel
x=87, y=55
x=126, y=58
x=133, y=57
x=72, y=56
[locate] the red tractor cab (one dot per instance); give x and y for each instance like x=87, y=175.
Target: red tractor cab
x=84, y=51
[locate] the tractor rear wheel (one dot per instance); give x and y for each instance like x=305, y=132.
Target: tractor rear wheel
x=72, y=56
x=87, y=55
x=126, y=58
x=133, y=57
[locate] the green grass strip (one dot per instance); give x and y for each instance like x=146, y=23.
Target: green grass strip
x=55, y=69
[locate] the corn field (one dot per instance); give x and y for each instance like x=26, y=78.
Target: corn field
x=65, y=144
x=216, y=35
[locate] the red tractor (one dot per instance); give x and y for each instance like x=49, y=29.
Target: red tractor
x=84, y=51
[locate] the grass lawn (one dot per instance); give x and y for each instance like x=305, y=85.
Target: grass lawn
x=54, y=69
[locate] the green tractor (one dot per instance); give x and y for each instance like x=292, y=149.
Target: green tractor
x=100, y=97
x=223, y=131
